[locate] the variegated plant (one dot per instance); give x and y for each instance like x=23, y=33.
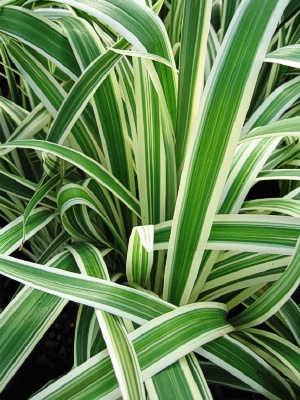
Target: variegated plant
x=131, y=135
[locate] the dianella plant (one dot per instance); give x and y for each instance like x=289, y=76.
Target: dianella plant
x=132, y=132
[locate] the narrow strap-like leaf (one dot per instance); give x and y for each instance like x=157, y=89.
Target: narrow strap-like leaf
x=118, y=300
x=154, y=151
x=290, y=312
x=198, y=324
x=106, y=102
x=146, y=31
x=72, y=195
x=272, y=300
x=246, y=272
x=292, y=174
x=244, y=233
x=82, y=91
x=140, y=254
x=10, y=77
x=180, y=379
x=119, y=345
x=56, y=245
x=85, y=163
x=32, y=124
x=274, y=106
x=243, y=363
x=196, y=23
x=83, y=334
x=288, y=55
x=281, y=128
x=286, y=352
x=13, y=110
x=41, y=34
x=216, y=134
x=23, y=188
x=19, y=335
x=228, y=10
x=50, y=92
x=285, y=206
x=11, y=234
x=41, y=192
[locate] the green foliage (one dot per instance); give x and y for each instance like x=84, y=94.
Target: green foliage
x=132, y=133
